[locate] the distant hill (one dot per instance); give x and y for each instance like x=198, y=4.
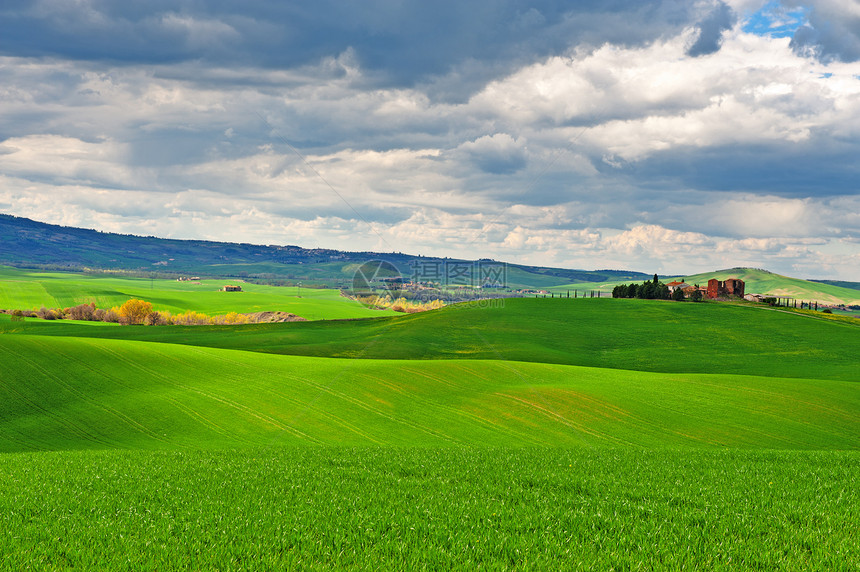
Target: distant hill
x=31, y=244
x=840, y=283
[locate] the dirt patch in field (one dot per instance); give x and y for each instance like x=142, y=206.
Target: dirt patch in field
x=271, y=317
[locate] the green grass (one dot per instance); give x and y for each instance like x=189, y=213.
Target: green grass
x=437, y=509
x=519, y=278
x=847, y=313
x=841, y=283
x=66, y=393
x=20, y=289
x=537, y=434
x=583, y=289
x=638, y=335
x=324, y=274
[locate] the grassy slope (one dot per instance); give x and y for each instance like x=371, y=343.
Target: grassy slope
x=622, y=334
x=69, y=393
x=840, y=283
x=584, y=288
x=519, y=278
x=30, y=290
x=328, y=274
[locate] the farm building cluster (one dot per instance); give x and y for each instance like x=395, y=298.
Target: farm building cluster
x=715, y=288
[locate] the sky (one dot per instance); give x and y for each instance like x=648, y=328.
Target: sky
x=670, y=136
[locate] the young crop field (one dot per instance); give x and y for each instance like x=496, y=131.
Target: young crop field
x=21, y=289
x=67, y=393
x=451, y=508
x=638, y=335
x=543, y=434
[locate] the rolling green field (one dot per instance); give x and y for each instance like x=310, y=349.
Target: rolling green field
x=541, y=434
x=625, y=334
x=122, y=394
x=23, y=289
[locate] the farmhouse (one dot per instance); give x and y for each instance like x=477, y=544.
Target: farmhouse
x=231, y=288
x=724, y=289
x=683, y=286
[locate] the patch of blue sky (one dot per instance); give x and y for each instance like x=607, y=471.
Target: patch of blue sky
x=775, y=20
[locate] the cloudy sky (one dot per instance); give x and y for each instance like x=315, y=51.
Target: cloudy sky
x=674, y=136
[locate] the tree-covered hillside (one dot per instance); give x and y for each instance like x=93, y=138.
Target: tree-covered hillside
x=32, y=244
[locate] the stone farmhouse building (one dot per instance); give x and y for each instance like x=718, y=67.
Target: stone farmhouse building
x=725, y=288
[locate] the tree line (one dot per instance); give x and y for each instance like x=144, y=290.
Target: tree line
x=654, y=290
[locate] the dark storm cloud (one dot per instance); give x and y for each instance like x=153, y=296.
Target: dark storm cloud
x=711, y=30
x=817, y=168
x=832, y=31
x=409, y=41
